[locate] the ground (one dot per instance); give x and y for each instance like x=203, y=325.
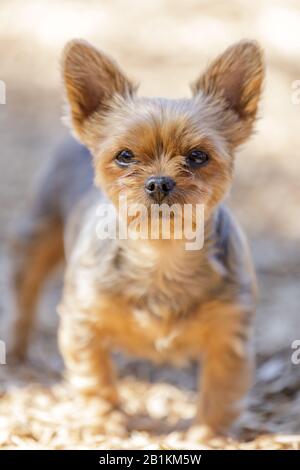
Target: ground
x=164, y=45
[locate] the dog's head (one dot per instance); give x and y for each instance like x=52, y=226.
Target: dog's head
x=161, y=150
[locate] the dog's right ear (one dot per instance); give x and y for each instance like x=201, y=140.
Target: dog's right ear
x=235, y=79
x=91, y=81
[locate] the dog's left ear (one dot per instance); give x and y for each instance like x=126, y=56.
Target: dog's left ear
x=234, y=80
x=92, y=80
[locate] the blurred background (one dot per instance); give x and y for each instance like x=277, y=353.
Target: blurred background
x=164, y=45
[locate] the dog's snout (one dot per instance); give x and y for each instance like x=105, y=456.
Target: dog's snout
x=159, y=186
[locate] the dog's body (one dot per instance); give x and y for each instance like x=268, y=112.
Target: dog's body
x=152, y=298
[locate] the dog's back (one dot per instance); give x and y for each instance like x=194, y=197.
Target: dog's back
x=63, y=181
x=37, y=243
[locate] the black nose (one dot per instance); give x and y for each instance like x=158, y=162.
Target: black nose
x=159, y=186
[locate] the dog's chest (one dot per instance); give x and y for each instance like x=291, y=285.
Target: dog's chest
x=145, y=304
x=165, y=286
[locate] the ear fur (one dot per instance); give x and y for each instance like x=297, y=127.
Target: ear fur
x=234, y=80
x=91, y=81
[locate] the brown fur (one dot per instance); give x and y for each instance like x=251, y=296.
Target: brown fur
x=153, y=298
x=41, y=252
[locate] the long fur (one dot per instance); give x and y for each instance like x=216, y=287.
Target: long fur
x=153, y=298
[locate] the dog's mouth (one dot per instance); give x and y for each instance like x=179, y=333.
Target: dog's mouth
x=162, y=201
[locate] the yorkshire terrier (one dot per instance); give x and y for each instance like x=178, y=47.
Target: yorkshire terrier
x=150, y=297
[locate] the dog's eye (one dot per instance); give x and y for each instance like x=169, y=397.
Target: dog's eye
x=197, y=158
x=124, y=158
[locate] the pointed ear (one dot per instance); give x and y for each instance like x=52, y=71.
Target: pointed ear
x=235, y=79
x=91, y=80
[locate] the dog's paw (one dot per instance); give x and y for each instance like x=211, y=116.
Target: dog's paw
x=200, y=433
x=102, y=417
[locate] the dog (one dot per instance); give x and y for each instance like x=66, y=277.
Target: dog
x=150, y=297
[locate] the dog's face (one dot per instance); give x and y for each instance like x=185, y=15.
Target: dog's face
x=162, y=151
x=159, y=150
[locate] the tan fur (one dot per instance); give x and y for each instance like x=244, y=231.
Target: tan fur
x=35, y=256
x=153, y=298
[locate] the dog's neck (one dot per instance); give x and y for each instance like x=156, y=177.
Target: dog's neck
x=156, y=272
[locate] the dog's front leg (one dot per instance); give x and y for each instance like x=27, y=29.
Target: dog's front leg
x=87, y=361
x=226, y=372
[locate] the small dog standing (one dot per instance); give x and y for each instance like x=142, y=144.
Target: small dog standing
x=152, y=298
